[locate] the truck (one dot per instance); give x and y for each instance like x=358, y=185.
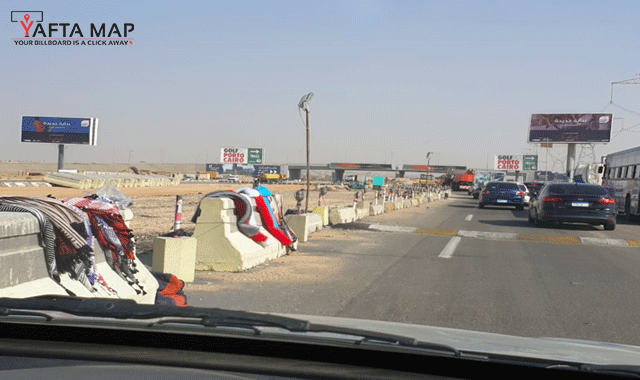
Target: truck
x=426, y=179
x=589, y=173
x=272, y=177
x=463, y=182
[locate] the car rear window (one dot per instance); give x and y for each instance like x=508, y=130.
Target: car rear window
x=577, y=189
x=509, y=186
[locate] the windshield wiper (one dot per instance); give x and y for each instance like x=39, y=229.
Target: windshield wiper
x=611, y=369
x=208, y=317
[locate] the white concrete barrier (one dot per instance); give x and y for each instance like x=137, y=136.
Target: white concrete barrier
x=414, y=202
x=342, y=215
x=176, y=256
x=323, y=211
x=361, y=213
x=376, y=209
x=221, y=247
x=304, y=224
x=397, y=205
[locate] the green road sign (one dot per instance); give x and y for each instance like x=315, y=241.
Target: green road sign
x=530, y=162
x=254, y=156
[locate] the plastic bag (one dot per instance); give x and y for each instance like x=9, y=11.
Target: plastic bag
x=114, y=194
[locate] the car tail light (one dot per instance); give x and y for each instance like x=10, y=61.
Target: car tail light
x=553, y=200
x=607, y=201
x=520, y=193
x=485, y=191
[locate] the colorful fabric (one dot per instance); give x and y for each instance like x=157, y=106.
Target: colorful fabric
x=266, y=214
x=246, y=221
x=170, y=290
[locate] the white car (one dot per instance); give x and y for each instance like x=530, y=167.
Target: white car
x=524, y=189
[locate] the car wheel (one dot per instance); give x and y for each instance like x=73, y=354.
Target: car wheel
x=521, y=207
x=531, y=220
x=610, y=226
x=475, y=196
x=480, y=205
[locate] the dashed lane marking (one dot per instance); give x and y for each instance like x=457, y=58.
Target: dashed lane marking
x=451, y=246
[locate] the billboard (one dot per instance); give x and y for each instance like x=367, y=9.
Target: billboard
x=244, y=169
x=433, y=168
x=241, y=155
x=342, y=165
x=507, y=162
x=570, y=128
x=59, y=130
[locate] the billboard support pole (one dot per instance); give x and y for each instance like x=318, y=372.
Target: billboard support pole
x=60, y=157
x=571, y=159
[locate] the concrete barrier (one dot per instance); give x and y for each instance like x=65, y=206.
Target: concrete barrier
x=361, y=213
x=176, y=256
x=323, y=211
x=221, y=247
x=303, y=225
x=414, y=202
x=23, y=270
x=389, y=206
x=397, y=205
x=376, y=209
x=342, y=215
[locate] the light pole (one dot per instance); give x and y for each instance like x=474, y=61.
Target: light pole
x=304, y=105
x=429, y=154
x=131, y=151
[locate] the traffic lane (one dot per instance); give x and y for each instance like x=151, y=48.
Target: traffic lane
x=507, y=219
x=320, y=279
x=515, y=288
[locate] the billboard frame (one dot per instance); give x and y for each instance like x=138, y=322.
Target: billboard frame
x=91, y=141
x=582, y=141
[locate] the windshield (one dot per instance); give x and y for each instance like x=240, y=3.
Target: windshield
x=327, y=159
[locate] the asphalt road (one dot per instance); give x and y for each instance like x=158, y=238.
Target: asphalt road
x=464, y=267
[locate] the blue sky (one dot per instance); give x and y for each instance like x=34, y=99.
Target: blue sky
x=391, y=78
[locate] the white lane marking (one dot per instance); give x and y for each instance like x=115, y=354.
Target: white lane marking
x=605, y=242
x=451, y=246
x=488, y=235
x=469, y=217
x=382, y=227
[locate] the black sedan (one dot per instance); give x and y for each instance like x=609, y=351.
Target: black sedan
x=575, y=203
x=502, y=194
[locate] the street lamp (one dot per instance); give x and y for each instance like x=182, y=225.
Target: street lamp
x=130, y=155
x=429, y=154
x=304, y=105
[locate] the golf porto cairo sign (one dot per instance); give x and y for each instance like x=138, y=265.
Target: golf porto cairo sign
x=241, y=155
x=507, y=162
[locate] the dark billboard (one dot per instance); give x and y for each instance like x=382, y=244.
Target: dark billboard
x=570, y=128
x=59, y=130
x=244, y=169
x=341, y=165
x=432, y=168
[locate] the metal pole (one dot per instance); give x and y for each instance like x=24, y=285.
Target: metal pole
x=306, y=206
x=60, y=156
x=178, y=217
x=571, y=159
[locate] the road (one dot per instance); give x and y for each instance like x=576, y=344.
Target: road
x=497, y=274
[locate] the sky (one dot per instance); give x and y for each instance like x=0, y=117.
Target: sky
x=392, y=80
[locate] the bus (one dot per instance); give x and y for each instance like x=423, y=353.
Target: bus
x=622, y=180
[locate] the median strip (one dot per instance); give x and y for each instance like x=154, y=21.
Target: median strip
x=499, y=236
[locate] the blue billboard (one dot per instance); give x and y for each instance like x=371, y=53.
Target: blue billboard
x=59, y=130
